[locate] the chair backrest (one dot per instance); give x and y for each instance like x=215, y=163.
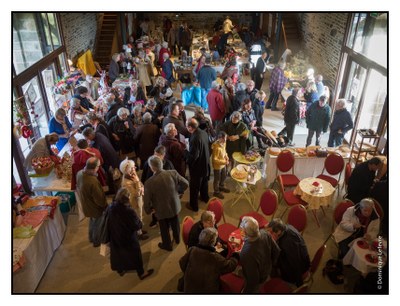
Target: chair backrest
x=280, y=183
x=302, y=289
x=285, y=161
x=297, y=217
x=269, y=202
x=379, y=209
x=347, y=173
x=275, y=285
x=215, y=205
x=317, y=259
x=334, y=163
x=187, y=224
x=340, y=209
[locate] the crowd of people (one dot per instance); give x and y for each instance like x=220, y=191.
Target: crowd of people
x=146, y=128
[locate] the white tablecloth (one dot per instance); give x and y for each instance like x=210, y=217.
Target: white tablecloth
x=51, y=183
x=303, y=167
x=38, y=251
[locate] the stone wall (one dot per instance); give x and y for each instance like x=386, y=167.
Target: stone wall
x=322, y=38
x=79, y=32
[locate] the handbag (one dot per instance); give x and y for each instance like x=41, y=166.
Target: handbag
x=104, y=235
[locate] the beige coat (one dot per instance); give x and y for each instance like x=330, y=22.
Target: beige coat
x=135, y=188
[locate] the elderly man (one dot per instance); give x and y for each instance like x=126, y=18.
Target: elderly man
x=361, y=220
x=251, y=90
x=203, y=266
x=293, y=260
x=207, y=219
x=161, y=196
x=258, y=255
x=216, y=105
x=276, y=84
x=341, y=124
x=198, y=159
x=173, y=117
x=123, y=131
x=92, y=197
x=362, y=179
x=317, y=119
x=261, y=67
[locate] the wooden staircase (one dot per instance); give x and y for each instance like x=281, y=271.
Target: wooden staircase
x=105, y=39
x=290, y=23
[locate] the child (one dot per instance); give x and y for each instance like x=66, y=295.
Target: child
x=219, y=160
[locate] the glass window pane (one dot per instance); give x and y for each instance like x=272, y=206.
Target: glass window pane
x=26, y=42
x=354, y=89
x=376, y=46
x=38, y=112
x=55, y=34
x=48, y=45
x=49, y=78
x=375, y=95
x=353, y=30
x=63, y=64
x=358, y=44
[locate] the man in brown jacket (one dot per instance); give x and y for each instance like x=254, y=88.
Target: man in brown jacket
x=92, y=197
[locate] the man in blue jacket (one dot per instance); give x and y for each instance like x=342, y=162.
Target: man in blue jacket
x=341, y=124
x=206, y=76
x=317, y=119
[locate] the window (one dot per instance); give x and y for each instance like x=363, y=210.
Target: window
x=34, y=36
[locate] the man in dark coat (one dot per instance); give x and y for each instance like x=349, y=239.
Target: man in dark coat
x=207, y=219
x=261, y=67
x=292, y=114
x=92, y=197
x=173, y=117
x=198, y=159
x=293, y=260
x=258, y=255
x=361, y=179
x=317, y=119
x=203, y=266
x=161, y=195
x=341, y=124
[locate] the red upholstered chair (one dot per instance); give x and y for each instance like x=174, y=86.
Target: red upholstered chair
x=379, y=209
x=297, y=217
x=187, y=224
x=275, y=285
x=289, y=198
x=268, y=205
x=334, y=165
x=302, y=289
x=224, y=230
x=285, y=163
x=347, y=174
x=308, y=276
x=231, y=283
x=338, y=212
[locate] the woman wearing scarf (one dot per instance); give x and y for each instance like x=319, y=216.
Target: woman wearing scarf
x=60, y=125
x=361, y=220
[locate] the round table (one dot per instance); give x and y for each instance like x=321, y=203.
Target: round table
x=239, y=158
x=356, y=256
x=305, y=189
x=245, y=190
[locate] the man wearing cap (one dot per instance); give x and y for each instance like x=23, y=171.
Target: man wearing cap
x=258, y=255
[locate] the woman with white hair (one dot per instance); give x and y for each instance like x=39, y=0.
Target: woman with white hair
x=258, y=255
x=164, y=50
x=341, y=124
x=361, y=220
x=203, y=266
x=142, y=62
x=123, y=131
x=131, y=181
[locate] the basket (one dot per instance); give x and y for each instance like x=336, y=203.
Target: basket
x=44, y=171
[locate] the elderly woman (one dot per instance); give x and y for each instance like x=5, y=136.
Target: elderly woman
x=231, y=71
x=60, y=125
x=137, y=116
x=146, y=138
x=77, y=112
x=131, y=181
x=237, y=135
x=161, y=93
x=123, y=224
x=341, y=124
x=41, y=148
x=361, y=220
x=123, y=131
x=113, y=71
x=203, y=266
x=142, y=62
x=174, y=148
